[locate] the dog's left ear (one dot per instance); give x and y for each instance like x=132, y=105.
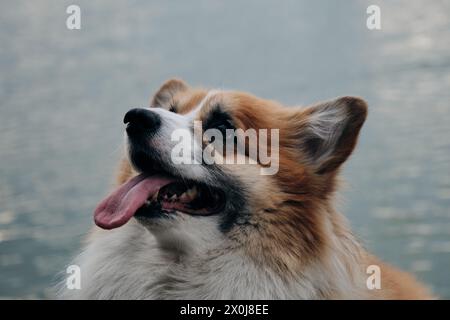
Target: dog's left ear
x=167, y=91
x=328, y=131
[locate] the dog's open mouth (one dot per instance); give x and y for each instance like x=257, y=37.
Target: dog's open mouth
x=146, y=195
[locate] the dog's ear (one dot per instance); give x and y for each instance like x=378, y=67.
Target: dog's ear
x=328, y=131
x=164, y=96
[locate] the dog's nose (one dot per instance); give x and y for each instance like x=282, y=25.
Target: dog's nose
x=141, y=120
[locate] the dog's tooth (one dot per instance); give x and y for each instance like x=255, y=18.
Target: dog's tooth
x=155, y=196
x=189, y=193
x=184, y=197
x=192, y=192
x=174, y=197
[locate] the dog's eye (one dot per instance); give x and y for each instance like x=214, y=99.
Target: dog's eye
x=173, y=108
x=218, y=119
x=228, y=131
x=221, y=121
x=226, y=128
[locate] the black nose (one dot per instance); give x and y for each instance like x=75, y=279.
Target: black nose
x=141, y=121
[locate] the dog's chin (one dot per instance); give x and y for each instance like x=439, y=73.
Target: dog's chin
x=156, y=219
x=180, y=233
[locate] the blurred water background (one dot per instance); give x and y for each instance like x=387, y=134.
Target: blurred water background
x=63, y=94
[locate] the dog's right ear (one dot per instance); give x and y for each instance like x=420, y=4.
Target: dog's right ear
x=164, y=96
x=327, y=132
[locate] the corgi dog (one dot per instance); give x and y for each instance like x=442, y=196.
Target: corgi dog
x=226, y=230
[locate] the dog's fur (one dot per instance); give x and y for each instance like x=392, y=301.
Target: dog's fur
x=280, y=237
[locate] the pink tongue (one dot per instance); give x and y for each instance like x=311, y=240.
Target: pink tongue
x=118, y=208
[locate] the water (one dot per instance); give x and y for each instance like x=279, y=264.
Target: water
x=63, y=94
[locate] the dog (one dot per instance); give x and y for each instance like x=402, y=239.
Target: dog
x=225, y=230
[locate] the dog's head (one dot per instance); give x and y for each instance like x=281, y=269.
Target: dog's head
x=267, y=192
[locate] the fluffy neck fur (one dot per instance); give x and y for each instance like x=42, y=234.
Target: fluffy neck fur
x=128, y=263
